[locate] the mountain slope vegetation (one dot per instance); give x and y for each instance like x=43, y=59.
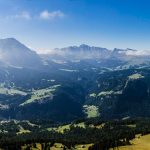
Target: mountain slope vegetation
x=71, y=83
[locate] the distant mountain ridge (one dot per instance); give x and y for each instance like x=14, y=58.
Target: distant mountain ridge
x=14, y=53
x=91, y=52
x=82, y=52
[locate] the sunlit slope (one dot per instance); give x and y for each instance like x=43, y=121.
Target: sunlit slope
x=139, y=143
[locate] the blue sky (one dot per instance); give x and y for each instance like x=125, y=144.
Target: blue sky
x=46, y=24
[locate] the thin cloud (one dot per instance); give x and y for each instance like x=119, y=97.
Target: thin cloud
x=138, y=53
x=46, y=15
x=23, y=15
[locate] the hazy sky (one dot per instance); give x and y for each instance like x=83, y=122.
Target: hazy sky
x=46, y=24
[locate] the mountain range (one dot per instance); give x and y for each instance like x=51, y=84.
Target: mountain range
x=74, y=82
